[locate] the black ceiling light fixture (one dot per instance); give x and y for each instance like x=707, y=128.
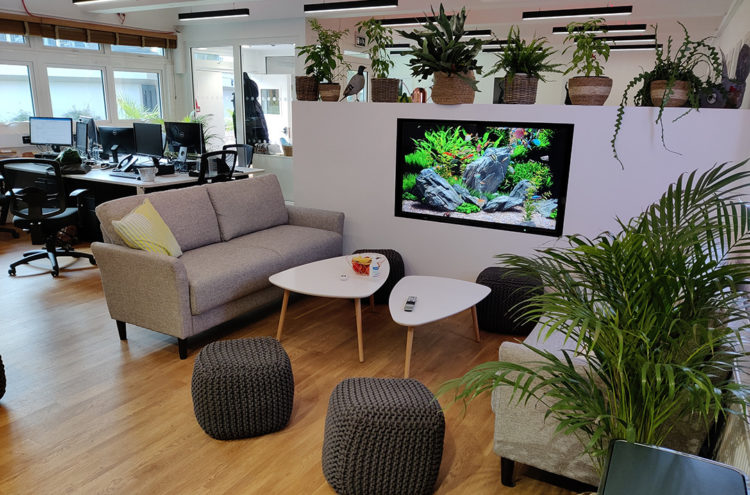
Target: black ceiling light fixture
x=477, y=33
x=609, y=28
x=316, y=8
x=565, y=13
x=213, y=14
x=629, y=47
x=89, y=2
x=634, y=38
x=408, y=21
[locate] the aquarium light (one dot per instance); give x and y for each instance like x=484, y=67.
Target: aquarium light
x=613, y=28
x=623, y=48
x=349, y=5
x=566, y=13
x=213, y=14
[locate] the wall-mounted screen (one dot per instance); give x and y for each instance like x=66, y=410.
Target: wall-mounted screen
x=502, y=175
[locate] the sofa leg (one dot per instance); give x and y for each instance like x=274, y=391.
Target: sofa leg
x=121, y=330
x=506, y=471
x=182, y=348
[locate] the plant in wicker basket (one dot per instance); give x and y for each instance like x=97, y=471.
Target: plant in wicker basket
x=524, y=65
x=441, y=52
x=324, y=60
x=651, y=310
x=673, y=82
x=591, y=87
x=379, y=37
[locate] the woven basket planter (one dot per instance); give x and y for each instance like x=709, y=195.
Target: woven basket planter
x=678, y=97
x=329, y=91
x=307, y=88
x=450, y=89
x=384, y=90
x=521, y=89
x=593, y=90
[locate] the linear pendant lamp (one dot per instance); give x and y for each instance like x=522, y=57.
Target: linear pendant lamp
x=589, y=12
x=213, y=14
x=89, y=2
x=349, y=5
x=609, y=28
x=407, y=21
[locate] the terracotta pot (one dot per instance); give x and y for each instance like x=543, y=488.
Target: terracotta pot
x=593, y=90
x=329, y=91
x=521, y=88
x=450, y=89
x=384, y=90
x=678, y=97
x=306, y=88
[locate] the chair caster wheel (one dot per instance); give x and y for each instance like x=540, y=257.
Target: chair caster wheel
x=12, y=272
x=55, y=273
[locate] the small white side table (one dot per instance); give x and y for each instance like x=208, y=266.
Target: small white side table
x=437, y=298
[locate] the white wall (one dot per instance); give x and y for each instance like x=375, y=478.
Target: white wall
x=731, y=37
x=349, y=164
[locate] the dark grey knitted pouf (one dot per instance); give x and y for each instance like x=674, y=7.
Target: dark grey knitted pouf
x=396, y=265
x=496, y=312
x=382, y=436
x=2, y=378
x=242, y=388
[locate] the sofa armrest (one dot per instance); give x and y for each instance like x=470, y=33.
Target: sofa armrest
x=315, y=218
x=146, y=289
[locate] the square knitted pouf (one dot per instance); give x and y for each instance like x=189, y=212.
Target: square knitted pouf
x=382, y=436
x=497, y=312
x=242, y=388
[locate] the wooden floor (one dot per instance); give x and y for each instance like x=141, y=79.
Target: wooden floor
x=86, y=413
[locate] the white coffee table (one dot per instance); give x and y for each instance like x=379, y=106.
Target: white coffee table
x=323, y=279
x=437, y=298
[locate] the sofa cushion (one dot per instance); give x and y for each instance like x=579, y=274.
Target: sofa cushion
x=188, y=213
x=144, y=229
x=220, y=273
x=249, y=205
x=295, y=245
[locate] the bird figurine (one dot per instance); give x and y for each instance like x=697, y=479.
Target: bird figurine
x=356, y=83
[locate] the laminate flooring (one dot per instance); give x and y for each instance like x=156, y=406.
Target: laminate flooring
x=85, y=413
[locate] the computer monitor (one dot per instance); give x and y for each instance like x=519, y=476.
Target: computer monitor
x=82, y=140
x=187, y=134
x=91, y=132
x=52, y=131
x=148, y=139
x=121, y=136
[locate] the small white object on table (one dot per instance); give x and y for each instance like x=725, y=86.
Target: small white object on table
x=324, y=279
x=437, y=298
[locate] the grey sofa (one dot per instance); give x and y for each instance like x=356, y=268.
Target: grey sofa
x=233, y=235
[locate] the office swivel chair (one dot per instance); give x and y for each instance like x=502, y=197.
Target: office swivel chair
x=4, y=206
x=244, y=153
x=217, y=166
x=39, y=205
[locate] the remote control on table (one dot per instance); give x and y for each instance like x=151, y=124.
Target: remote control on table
x=410, y=302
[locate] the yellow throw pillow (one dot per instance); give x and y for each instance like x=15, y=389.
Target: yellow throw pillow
x=143, y=228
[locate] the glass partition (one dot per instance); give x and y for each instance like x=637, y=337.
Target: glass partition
x=214, y=90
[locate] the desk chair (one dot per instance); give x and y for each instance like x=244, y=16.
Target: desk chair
x=4, y=205
x=217, y=166
x=39, y=205
x=244, y=153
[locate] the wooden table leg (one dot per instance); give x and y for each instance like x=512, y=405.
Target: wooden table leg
x=409, y=339
x=476, y=322
x=284, y=304
x=372, y=302
x=358, y=316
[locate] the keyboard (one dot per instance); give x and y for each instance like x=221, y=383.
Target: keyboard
x=127, y=175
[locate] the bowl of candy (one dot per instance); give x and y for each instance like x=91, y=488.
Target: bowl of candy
x=361, y=264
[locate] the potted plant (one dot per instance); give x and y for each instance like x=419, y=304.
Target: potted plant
x=591, y=87
x=325, y=65
x=673, y=81
x=524, y=64
x=440, y=53
x=652, y=311
x=379, y=37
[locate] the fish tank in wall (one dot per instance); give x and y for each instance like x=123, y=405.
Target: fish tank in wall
x=500, y=175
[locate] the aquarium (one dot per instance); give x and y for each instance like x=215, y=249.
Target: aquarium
x=500, y=175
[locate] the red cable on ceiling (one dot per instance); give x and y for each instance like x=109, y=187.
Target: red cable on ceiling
x=23, y=2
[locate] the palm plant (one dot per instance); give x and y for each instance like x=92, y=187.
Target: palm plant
x=652, y=311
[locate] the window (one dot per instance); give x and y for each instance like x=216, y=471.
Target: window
x=138, y=95
x=12, y=38
x=76, y=92
x=81, y=45
x=15, y=86
x=138, y=50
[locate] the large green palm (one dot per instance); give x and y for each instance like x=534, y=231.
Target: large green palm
x=652, y=309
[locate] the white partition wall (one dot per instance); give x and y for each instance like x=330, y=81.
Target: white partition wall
x=345, y=159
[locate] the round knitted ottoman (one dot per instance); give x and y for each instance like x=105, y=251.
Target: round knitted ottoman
x=496, y=312
x=242, y=388
x=382, y=436
x=396, y=264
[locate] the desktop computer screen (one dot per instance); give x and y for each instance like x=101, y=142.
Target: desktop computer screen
x=120, y=136
x=187, y=134
x=51, y=131
x=91, y=133
x=82, y=138
x=148, y=139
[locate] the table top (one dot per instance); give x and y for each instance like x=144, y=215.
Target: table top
x=437, y=298
x=323, y=278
